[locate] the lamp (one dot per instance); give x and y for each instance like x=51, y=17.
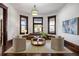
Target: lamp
x=34, y=11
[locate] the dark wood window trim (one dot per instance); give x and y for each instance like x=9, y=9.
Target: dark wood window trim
x=37, y=23
x=5, y=13
x=49, y=17
x=22, y=16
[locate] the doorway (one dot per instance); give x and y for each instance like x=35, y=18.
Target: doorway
x=3, y=28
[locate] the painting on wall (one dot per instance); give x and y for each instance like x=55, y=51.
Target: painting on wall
x=71, y=26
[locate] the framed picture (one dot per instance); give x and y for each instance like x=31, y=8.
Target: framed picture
x=71, y=26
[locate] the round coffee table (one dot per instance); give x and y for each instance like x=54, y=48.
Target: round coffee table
x=38, y=41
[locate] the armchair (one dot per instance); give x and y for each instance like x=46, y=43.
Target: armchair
x=57, y=43
x=19, y=44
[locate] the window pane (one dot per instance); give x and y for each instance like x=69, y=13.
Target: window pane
x=52, y=29
x=23, y=22
x=23, y=28
x=37, y=20
x=52, y=25
x=37, y=28
x=52, y=21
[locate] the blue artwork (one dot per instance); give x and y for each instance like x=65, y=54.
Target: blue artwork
x=70, y=26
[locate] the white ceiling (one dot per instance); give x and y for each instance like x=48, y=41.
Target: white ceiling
x=43, y=8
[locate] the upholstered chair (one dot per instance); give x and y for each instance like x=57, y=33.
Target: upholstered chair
x=57, y=43
x=19, y=44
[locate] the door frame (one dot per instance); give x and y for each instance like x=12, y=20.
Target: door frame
x=4, y=41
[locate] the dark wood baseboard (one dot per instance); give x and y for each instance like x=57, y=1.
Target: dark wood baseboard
x=71, y=46
x=9, y=44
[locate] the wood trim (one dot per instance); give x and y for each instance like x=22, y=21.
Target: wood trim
x=4, y=26
x=48, y=23
x=37, y=23
x=72, y=46
x=22, y=16
x=9, y=44
x=3, y=6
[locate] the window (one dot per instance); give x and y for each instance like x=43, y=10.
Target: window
x=37, y=24
x=52, y=25
x=23, y=24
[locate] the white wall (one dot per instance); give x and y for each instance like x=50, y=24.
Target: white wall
x=68, y=12
x=12, y=23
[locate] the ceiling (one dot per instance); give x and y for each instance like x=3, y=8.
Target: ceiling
x=43, y=8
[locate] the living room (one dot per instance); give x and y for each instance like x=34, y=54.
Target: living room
x=41, y=34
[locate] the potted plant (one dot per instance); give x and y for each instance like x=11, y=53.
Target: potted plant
x=44, y=35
